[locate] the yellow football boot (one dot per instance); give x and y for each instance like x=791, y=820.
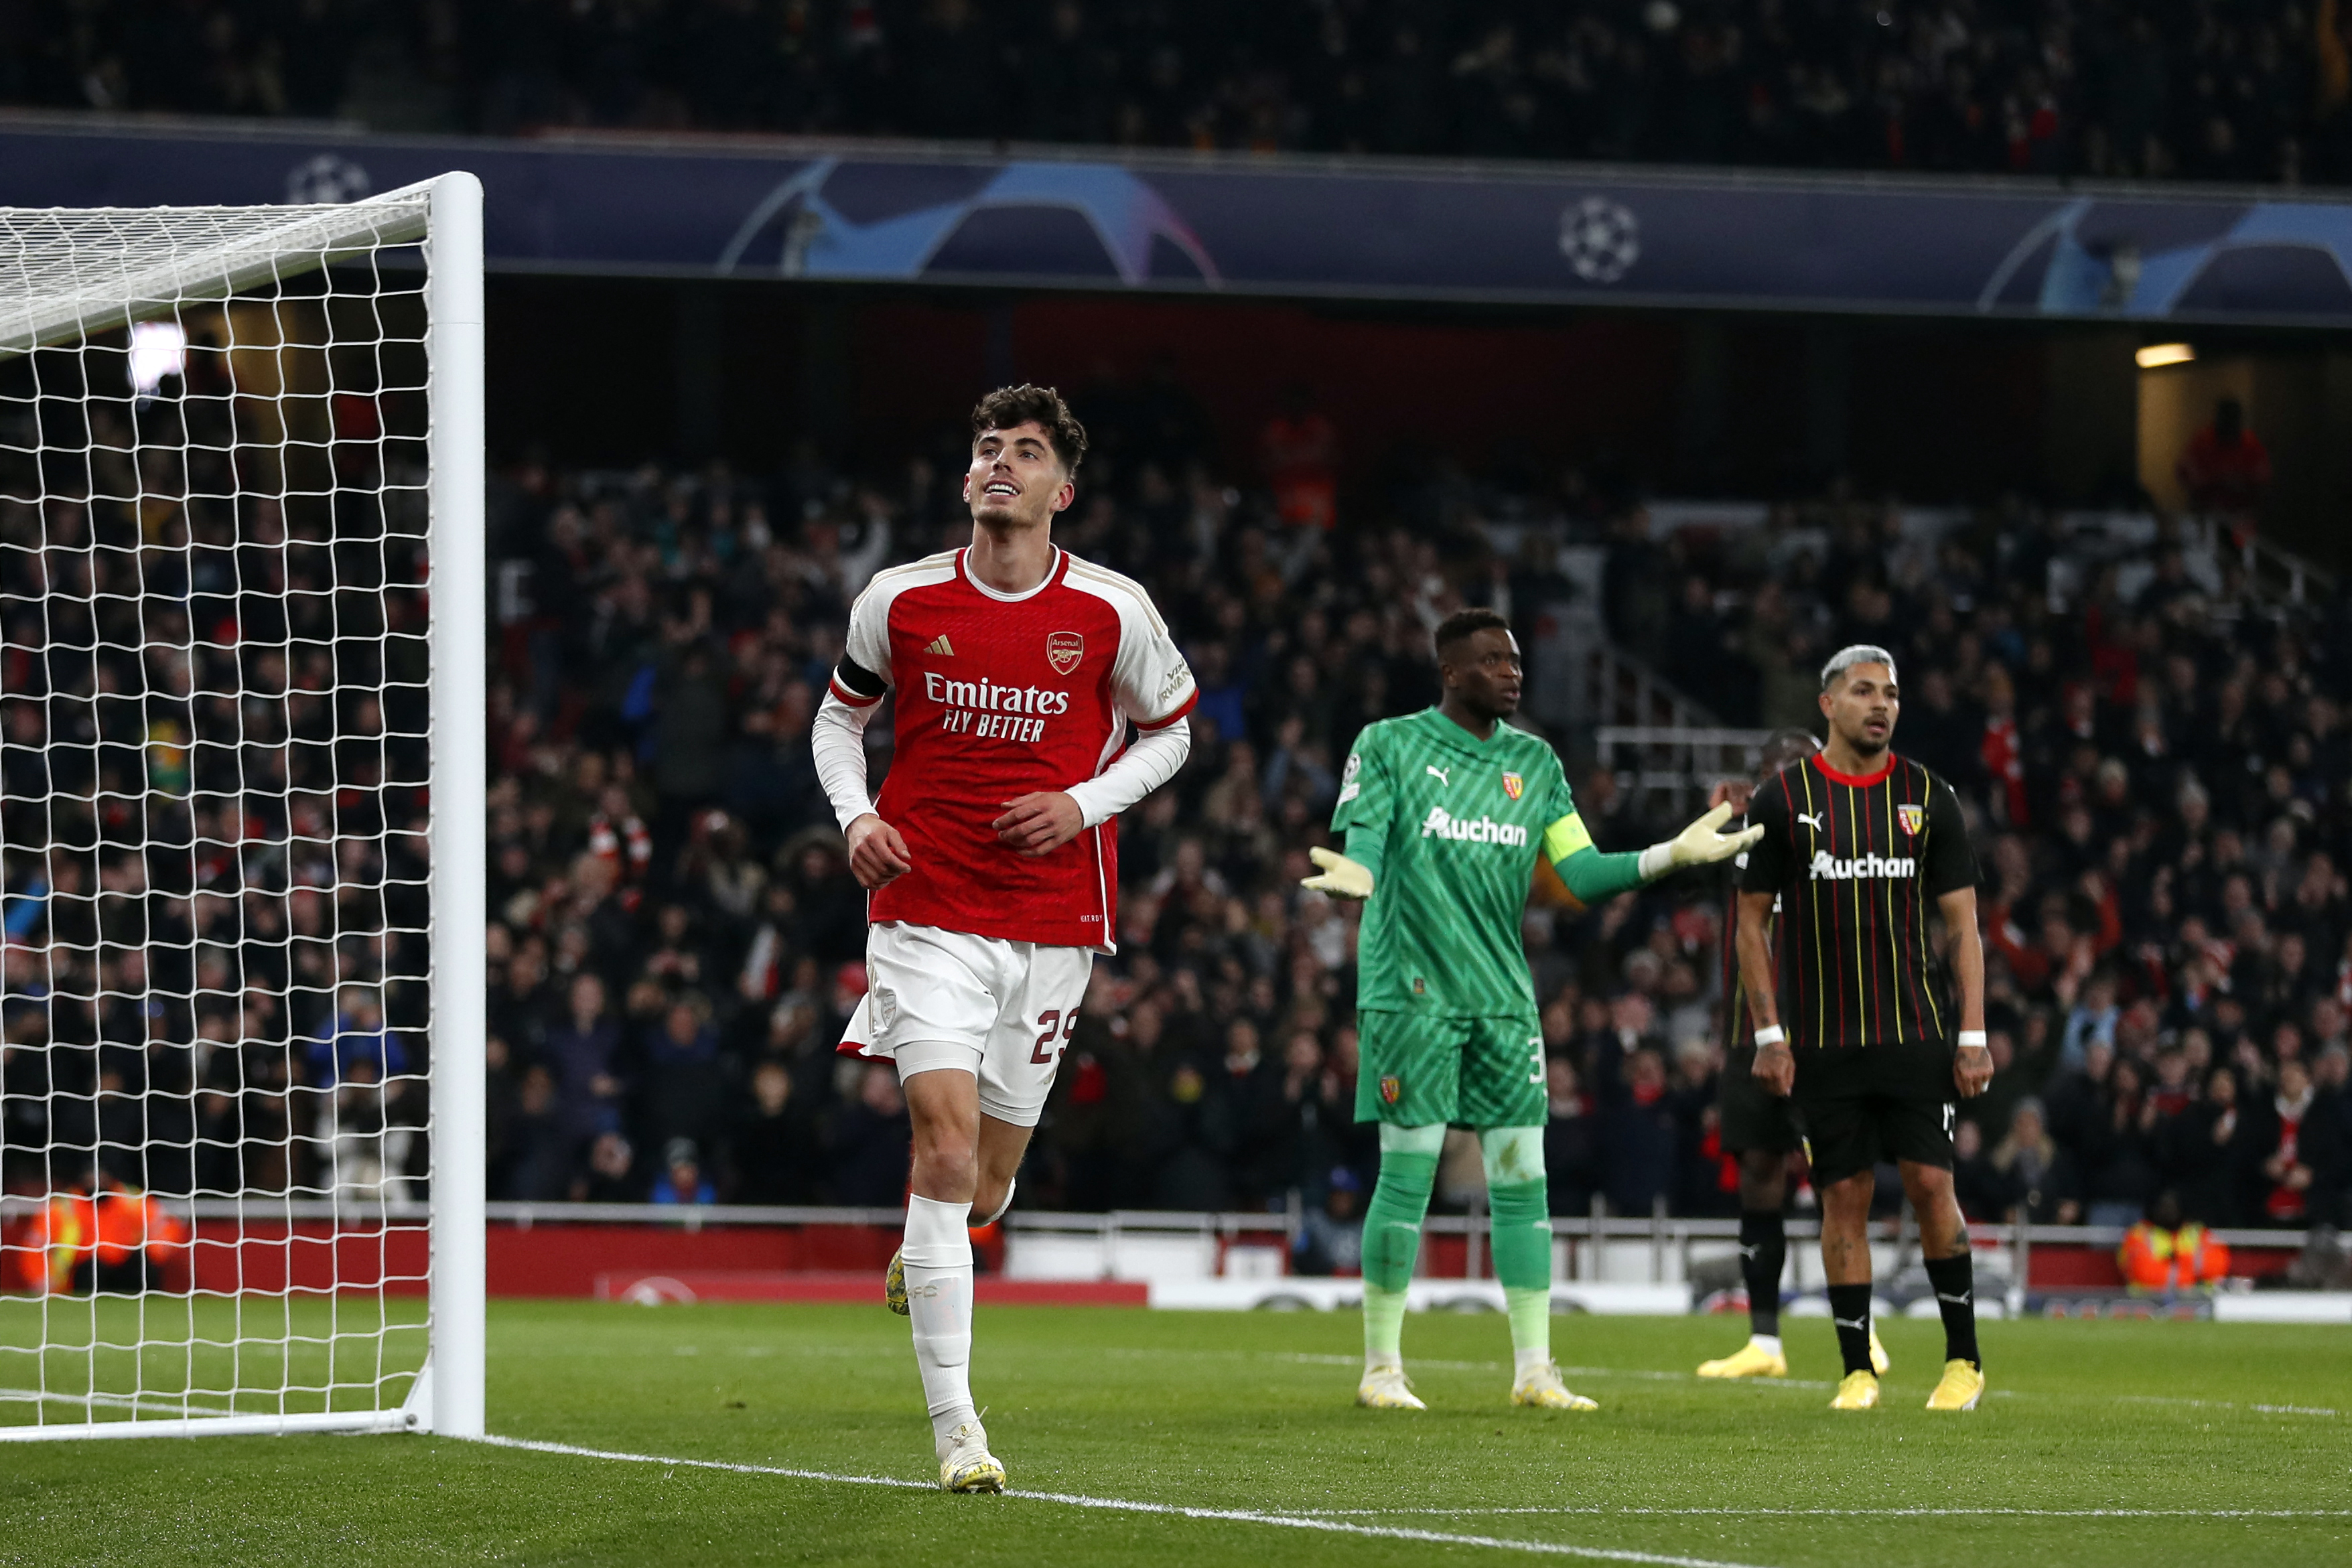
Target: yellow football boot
x=965, y=1463
x=894, y=1284
x=1859, y=1391
x=1544, y=1391
x=1962, y=1385
x=1751, y=1360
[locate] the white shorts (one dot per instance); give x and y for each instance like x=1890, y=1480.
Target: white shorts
x=1002, y=1011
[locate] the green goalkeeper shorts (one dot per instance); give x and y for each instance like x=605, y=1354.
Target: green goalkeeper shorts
x=1414, y=1070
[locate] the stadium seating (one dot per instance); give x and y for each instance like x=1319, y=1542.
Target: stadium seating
x=2106, y=89
x=655, y=822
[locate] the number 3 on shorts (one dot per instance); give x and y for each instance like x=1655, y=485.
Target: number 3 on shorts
x=1535, y=1053
x=1053, y=1022
x=1948, y=1110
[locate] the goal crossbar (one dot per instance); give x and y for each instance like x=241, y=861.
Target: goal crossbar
x=70, y=272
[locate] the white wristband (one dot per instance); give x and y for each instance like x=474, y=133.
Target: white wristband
x=1771, y=1035
x=1970, y=1037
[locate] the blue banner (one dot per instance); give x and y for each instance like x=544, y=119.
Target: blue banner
x=1540, y=233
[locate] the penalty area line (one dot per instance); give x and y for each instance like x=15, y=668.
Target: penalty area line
x=1122, y=1505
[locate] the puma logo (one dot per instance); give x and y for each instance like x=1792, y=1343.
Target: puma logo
x=1813, y=821
x=1750, y=1251
x=1439, y=774
x=1856, y=1325
x=1963, y=1300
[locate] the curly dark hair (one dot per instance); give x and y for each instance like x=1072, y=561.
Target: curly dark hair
x=1008, y=406
x=1462, y=623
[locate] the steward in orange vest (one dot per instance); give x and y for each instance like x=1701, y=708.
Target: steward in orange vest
x=137, y=1238
x=56, y=1241
x=2156, y=1258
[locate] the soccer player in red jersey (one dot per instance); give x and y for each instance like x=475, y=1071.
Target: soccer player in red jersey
x=991, y=861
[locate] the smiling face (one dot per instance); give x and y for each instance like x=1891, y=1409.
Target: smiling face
x=1862, y=706
x=1016, y=480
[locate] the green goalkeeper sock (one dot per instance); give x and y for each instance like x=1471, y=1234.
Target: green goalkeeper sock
x=1522, y=1242
x=1392, y=1238
x=1383, y=1326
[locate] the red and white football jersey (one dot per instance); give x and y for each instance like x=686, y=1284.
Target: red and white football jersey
x=1000, y=695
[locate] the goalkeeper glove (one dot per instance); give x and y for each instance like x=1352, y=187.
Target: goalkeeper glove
x=1698, y=845
x=1341, y=878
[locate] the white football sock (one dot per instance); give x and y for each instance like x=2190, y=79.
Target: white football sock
x=1770, y=1343
x=938, y=1261
x=1526, y=1364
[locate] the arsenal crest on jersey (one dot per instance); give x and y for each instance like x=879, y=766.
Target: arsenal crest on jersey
x=1513, y=785
x=1063, y=649
x=1913, y=818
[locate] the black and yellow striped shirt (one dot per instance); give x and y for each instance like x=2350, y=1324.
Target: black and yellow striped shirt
x=1855, y=860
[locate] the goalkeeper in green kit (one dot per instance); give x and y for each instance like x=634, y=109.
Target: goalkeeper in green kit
x=1443, y=812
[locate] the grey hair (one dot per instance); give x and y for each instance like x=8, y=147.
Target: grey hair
x=1846, y=658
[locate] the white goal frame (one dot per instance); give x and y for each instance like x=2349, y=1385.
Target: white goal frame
x=446, y=215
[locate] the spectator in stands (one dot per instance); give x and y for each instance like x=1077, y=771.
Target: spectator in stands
x=1572, y=1152
x=871, y=1143
x=1983, y=1190
x=2121, y=1149
x=356, y=1034
x=777, y=1145
x=611, y=1174
x=1639, y=1138
x=2287, y=1146
x=1331, y=1237
x=585, y=1051
x=682, y=1180
x=2038, y=1176
x=2208, y=1157
x=2226, y=469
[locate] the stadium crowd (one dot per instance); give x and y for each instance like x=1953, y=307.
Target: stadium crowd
x=2156, y=770
x=2156, y=778
x=2201, y=91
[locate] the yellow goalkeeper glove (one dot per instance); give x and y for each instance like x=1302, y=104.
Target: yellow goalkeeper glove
x=1341, y=878
x=1701, y=843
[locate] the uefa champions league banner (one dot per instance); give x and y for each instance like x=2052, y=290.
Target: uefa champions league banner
x=1539, y=232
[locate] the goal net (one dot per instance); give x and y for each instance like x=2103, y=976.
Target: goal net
x=240, y=816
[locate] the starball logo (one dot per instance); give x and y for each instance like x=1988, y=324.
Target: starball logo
x=1827, y=867
x=1442, y=824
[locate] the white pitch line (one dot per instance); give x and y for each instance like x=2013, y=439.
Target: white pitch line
x=2225, y=1405
x=1122, y=1505
x=1845, y=1512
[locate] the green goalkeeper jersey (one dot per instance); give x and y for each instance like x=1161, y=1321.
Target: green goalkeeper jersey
x=1450, y=827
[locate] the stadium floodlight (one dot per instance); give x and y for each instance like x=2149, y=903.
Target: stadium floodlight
x=242, y=715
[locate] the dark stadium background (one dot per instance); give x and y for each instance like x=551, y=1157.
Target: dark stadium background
x=691, y=476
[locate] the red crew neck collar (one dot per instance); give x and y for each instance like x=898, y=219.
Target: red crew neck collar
x=1858, y=780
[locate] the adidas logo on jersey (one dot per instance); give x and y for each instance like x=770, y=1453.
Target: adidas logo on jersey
x=940, y=644
x=1829, y=868
x=1442, y=824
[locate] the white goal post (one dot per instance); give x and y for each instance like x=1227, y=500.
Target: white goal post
x=242, y=776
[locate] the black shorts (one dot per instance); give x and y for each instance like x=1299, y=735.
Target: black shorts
x=1750, y=1115
x=1865, y=1103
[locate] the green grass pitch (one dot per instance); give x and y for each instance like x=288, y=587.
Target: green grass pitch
x=2101, y=1443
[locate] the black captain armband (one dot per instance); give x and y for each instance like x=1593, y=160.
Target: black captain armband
x=855, y=676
